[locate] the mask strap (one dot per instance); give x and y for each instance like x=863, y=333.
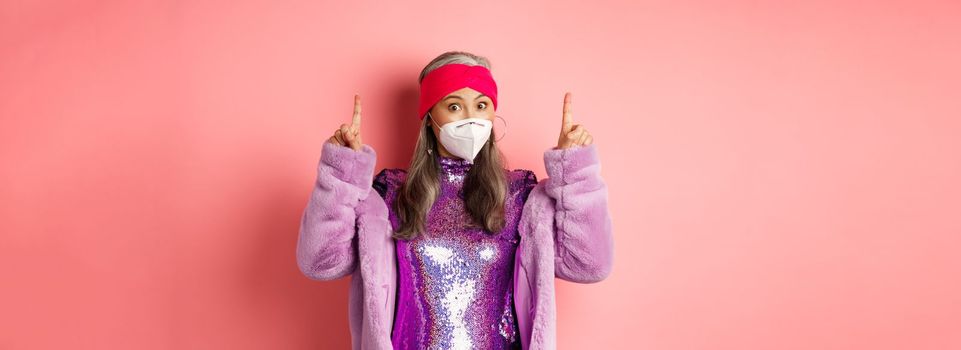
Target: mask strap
x=431, y=119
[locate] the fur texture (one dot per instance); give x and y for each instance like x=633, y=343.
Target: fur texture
x=565, y=230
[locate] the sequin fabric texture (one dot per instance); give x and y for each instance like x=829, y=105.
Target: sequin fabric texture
x=455, y=287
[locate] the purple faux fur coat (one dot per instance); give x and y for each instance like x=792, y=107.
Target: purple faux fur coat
x=565, y=230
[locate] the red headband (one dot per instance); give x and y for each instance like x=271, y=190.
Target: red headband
x=452, y=77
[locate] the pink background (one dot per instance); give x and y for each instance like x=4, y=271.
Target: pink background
x=782, y=176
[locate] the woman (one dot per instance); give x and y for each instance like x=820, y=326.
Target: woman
x=456, y=251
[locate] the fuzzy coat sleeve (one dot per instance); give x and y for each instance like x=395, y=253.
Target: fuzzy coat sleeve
x=583, y=242
x=327, y=243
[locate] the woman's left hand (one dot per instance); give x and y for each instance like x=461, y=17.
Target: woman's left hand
x=571, y=134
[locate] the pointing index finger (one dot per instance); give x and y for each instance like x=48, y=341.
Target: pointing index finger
x=568, y=117
x=356, y=121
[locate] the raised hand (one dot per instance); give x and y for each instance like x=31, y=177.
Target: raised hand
x=571, y=134
x=349, y=134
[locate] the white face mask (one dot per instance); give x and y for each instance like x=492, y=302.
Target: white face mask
x=465, y=138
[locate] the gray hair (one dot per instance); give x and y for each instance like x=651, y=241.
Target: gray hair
x=454, y=57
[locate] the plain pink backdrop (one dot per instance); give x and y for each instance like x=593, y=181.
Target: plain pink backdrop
x=781, y=176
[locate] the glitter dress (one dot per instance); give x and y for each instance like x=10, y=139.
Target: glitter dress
x=455, y=287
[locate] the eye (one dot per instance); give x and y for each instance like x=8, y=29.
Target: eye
x=451, y=107
x=482, y=105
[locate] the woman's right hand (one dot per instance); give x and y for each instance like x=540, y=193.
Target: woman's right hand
x=349, y=134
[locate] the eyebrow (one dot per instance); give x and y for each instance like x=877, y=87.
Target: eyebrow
x=458, y=97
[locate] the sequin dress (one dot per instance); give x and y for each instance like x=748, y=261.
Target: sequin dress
x=455, y=287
